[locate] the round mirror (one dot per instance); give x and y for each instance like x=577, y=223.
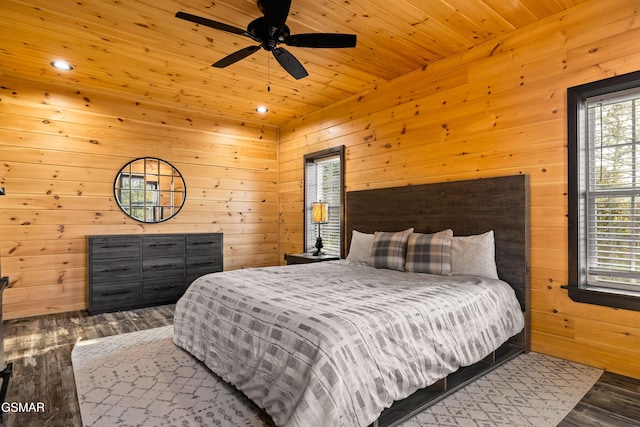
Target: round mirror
x=150, y=190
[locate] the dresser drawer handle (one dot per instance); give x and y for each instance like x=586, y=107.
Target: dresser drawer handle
x=162, y=266
x=200, y=264
x=161, y=288
x=153, y=245
x=203, y=243
x=120, y=292
x=116, y=270
x=115, y=246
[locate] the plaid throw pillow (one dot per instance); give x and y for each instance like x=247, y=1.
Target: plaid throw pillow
x=388, y=250
x=429, y=253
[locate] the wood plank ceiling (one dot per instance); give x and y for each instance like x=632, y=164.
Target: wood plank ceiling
x=138, y=50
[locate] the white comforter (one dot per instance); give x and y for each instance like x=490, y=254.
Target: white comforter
x=333, y=344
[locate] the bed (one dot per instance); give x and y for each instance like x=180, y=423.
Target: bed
x=342, y=343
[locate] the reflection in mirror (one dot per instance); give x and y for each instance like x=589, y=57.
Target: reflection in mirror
x=150, y=190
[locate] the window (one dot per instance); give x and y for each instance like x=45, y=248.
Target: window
x=324, y=182
x=604, y=192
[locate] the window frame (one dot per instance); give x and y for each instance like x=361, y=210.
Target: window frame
x=578, y=288
x=311, y=158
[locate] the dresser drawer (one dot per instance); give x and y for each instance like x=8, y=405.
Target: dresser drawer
x=203, y=264
x=163, y=246
x=110, y=247
x=162, y=267
x=114, y=296
x=209, y=244
x=113, y=271
x=168, y=289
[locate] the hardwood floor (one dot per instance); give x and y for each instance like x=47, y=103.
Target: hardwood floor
x=40, y=350
x=613, y=401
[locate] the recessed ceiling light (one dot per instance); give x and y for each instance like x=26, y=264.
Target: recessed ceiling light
x=62, y=65
x=262, y=109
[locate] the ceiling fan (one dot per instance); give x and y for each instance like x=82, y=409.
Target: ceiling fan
x=270, y=31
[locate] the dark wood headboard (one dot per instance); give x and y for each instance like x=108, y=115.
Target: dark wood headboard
x=467, y=207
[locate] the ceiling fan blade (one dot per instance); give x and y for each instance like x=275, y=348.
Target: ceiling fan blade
x=210, y=23
x=236, y=56
x=290, y=63
x=321, y=40
x=275, y=13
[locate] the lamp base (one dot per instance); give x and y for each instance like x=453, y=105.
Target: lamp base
x=319, y=247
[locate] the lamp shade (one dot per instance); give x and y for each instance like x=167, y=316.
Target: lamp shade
x=319, y=212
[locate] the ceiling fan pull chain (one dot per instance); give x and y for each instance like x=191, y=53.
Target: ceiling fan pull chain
x=268, y=72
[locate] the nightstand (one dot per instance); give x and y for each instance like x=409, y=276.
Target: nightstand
x=308, y=257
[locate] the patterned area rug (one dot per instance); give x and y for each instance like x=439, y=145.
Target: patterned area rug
x=143, y=379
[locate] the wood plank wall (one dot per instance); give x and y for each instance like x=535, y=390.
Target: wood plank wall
x=497, y=109
x=60, y=152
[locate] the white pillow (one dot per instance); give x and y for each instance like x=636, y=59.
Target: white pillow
x=360, y=249
x=475, y=255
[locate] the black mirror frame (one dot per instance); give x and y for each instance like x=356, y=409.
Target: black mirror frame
x=117, y=188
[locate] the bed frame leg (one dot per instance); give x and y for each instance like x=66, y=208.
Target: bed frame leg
x=440, y=385
x=491, y=358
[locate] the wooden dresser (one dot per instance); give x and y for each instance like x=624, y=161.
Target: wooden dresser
x=132, y=271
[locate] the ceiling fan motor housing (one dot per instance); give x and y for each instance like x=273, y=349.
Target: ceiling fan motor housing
x=269, y=37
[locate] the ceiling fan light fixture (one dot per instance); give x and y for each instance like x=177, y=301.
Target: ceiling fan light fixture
x=61, y=65
x=262, y=109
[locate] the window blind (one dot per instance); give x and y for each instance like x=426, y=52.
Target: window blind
x=328, y=190
x=612, y=195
